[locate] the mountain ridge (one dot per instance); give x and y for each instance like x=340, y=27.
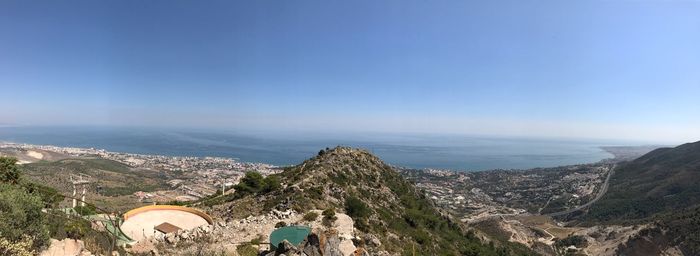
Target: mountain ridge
x=658, y=182
x=381, y=202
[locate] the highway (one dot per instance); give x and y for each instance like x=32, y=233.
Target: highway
x=602, y=191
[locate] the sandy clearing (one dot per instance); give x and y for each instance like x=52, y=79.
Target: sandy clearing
x=35, y=154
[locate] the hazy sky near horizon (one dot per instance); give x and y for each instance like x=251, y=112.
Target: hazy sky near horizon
x=627, y=69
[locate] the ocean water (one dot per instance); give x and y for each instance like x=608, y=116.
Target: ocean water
x=461, y=153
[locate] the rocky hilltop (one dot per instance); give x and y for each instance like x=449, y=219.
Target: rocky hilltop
x=388, y=214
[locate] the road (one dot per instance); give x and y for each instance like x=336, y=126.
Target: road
x=602, y=191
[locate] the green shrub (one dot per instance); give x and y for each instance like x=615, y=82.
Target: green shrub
x=329, y=217
x=577, y=241
x=85, y=210
x=9, y=172
x=20, y=214
x=77, y=229
x=246, y=250
x=50, y=196
x=355, y=208
x=310, y=216
x=254, y=183
x=257, y=240
x=330, y=212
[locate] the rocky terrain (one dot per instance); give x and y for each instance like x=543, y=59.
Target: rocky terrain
x=357, y=205
x=390, y=215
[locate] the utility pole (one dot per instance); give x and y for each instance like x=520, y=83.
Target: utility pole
x=80, y=181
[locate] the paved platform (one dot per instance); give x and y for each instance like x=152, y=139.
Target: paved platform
x=140, y=223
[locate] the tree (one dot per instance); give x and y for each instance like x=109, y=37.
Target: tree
x=253, y=183
x=9, y=173
x=20, y=215
x=272, y=183
x=356, y=208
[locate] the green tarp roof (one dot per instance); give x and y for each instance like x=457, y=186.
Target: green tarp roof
x=293, y=234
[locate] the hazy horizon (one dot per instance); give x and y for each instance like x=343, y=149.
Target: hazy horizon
x=454, y=152
x=624, y=70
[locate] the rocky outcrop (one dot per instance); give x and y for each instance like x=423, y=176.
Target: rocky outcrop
x=66, y=247
x=327, y=244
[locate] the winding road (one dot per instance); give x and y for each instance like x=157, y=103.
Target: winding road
x=602, y=191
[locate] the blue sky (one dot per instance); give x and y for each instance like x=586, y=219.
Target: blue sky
x=626, y=69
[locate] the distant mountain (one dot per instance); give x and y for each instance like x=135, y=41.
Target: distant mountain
x=380, y=201
x=661, y=181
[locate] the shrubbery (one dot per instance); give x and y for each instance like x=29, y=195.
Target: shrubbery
x=329, y=216
x=577, y=241
x=311, y=216
x=355, y=208
x=85, y=210
x=247, y=250
x=9, y=173
x=20, y=214
x=254, y=183
x=17, y=248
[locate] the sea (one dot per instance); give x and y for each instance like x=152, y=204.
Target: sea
x=452, y=152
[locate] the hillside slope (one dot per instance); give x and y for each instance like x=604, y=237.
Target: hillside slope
x=381, y=203
x=661, y=181
x=117, y=181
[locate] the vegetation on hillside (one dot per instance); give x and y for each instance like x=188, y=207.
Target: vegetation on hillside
x=661, y=189
x=115, y=178
x=680, y=229
x=29, y=216
x=662, y=181
x=20, y=215
x=380, y=201
x=21, y=218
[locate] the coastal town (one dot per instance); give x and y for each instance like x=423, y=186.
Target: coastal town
x=478, y=195
x=470, y=195
x=189, y=178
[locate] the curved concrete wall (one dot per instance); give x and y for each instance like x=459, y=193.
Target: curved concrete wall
x=133, y=212
x=139, y=223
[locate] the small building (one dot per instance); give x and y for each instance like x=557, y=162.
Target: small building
x=167, y=228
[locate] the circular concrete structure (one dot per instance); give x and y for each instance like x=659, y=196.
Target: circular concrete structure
x=140, y=223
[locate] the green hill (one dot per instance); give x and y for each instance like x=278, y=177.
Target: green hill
x=662, y=181
x=380, y=201
x=114, y=177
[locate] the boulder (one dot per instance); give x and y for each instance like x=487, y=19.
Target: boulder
x=312, y=245
x=331, y=243
x=286, y=248
x=171, y=238
x=372, y=240
x=360, y=252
